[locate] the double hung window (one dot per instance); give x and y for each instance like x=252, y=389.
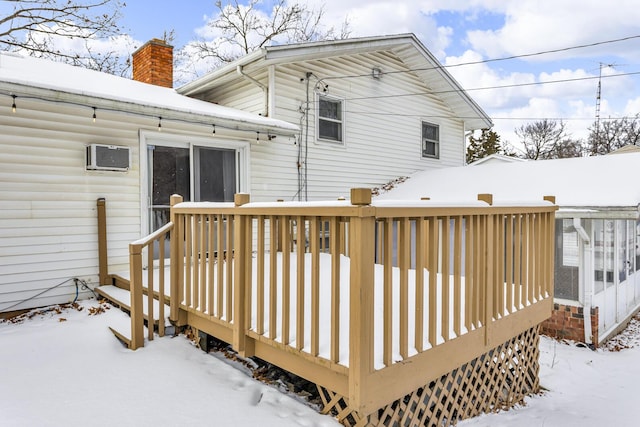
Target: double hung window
x=330, y=119
x=430, y=140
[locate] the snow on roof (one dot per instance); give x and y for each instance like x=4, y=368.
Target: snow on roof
x=494, y=158
x=28, y=72
x=602, y=181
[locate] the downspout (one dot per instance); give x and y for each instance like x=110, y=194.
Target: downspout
x=588, y=280
x=265, y=89
x=465, y=137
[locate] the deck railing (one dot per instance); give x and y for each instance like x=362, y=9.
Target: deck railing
x=367, y=300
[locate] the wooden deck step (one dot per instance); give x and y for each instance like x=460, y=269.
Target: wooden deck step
x=122, y=298
x=122, y=280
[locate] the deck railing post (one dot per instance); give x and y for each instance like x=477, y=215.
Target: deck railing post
x=549, y=248
x=489, y=254
x=137, y=314
x=103, y=265
x=361, y=297
x=241, y=279
x=175, y=263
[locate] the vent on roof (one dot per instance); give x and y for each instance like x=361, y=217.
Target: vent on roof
x=108, y=157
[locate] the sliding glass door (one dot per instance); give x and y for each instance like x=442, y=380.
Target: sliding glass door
x=196, y=173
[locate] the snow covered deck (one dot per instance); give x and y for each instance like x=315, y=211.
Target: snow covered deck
x=369, y=301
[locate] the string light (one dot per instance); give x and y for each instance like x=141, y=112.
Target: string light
x=94, y=114
x=132, y=113
x=258, y=137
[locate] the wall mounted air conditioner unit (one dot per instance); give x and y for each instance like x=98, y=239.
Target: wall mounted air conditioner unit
x=108, y=157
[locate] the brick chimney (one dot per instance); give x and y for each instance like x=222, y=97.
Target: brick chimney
x=153, y=63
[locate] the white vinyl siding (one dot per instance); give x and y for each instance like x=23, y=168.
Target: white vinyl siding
x=382, y=128
x=48, y=219
x=241, y=94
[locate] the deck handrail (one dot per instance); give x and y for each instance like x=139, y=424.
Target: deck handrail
x=137, y=290
x=486, y=275
x=145, y=241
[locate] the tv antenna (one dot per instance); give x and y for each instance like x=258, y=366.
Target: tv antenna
x=599, y=94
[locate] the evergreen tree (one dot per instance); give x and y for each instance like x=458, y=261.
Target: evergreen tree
x=486, y=144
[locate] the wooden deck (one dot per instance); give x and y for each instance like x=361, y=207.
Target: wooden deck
x=371, y=302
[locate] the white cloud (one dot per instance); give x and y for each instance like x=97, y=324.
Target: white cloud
x=75, y=40
x=369, y=18
x=632, y=107
x=531, y=27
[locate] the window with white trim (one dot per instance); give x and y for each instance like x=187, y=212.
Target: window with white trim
x=430, y=140
x=330, y=119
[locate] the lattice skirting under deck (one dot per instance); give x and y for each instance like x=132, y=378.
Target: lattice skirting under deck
x=496, y=380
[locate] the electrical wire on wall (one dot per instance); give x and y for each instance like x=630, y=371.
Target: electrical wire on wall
x=301, y=141
x=303, y=147
x=80, y=284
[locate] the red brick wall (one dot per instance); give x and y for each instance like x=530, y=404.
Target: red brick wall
x=153, y=63
x=567, y=322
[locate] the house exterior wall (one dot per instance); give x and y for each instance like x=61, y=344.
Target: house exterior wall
x=241, y=94
x=48, y=225
x=382, y=131
x=48, y=217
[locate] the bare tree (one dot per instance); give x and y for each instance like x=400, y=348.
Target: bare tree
x=611, y=135
x=37, y=27
x=244, y=28
x=567, y=148
x=545, y=139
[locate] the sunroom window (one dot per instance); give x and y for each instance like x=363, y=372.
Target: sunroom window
x=330, y=119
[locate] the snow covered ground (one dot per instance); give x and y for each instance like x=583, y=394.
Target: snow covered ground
x=65, y=368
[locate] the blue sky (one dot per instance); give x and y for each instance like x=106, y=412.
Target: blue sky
x=463, y=31
x=150, y=19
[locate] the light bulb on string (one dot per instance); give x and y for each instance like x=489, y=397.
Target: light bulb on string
x=214, y=130
x=94, y=114
x=159, y=124
x=13, y=106
x=258, y=137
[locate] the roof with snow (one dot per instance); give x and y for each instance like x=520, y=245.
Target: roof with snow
x=609, y=181
x=497, y=158
x=407, y=47
x=45, y=79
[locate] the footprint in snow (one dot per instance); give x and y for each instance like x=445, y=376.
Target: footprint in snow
x=256, y=397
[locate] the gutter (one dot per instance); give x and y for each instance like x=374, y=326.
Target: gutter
x=588, y=280
x=265, y=90
x=205, y=82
